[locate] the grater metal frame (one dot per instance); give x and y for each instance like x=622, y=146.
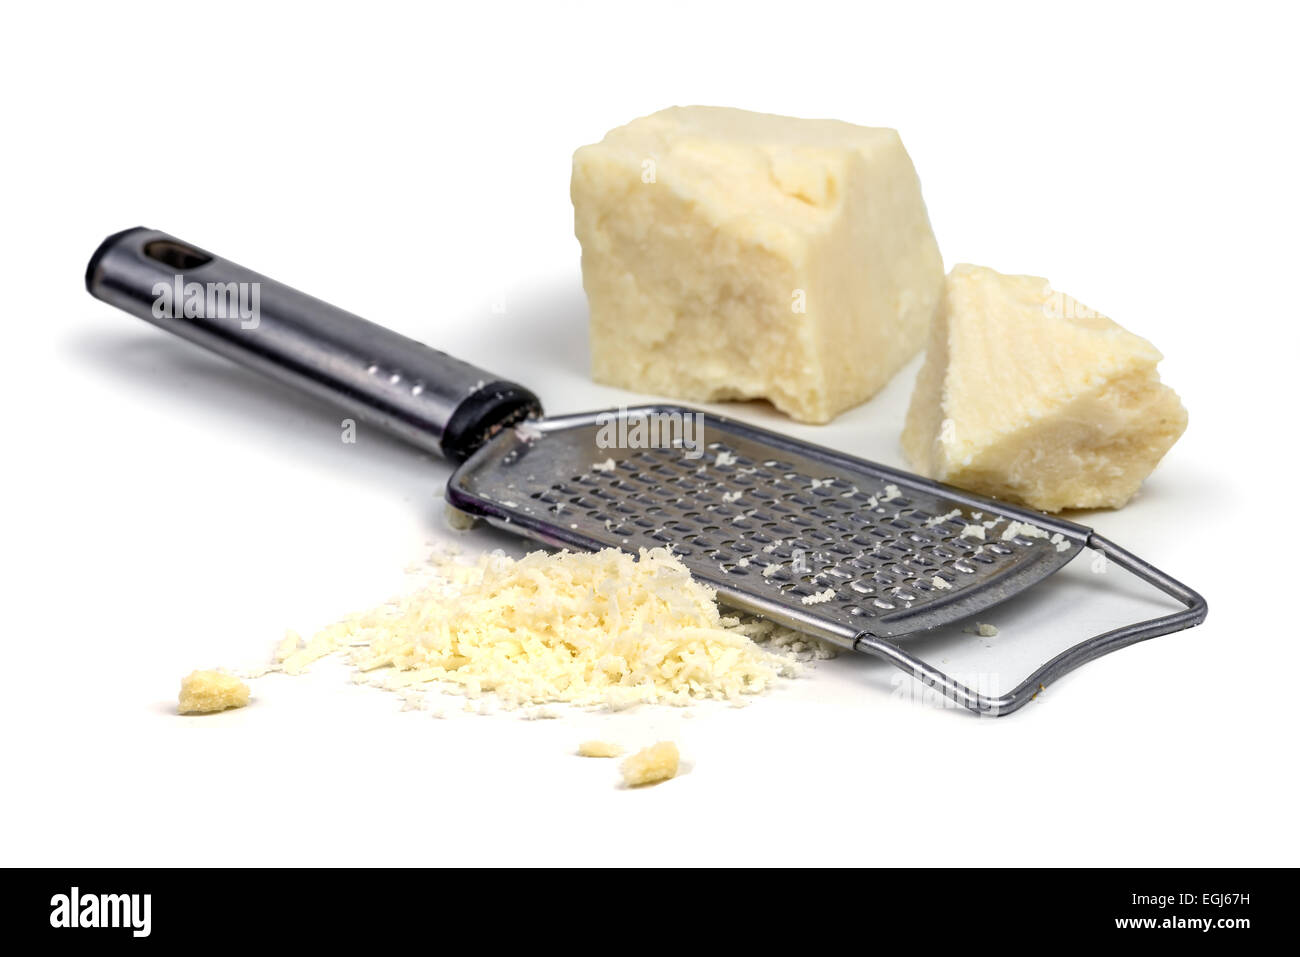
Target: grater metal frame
x=1193, y=613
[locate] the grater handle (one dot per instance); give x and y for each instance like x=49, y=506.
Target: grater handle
x=1193, y=613
x=428, y=398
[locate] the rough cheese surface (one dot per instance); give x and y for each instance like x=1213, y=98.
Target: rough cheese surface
x=736, y=255
x=659, y=762
x=1029, y=396
x=206, y=691
x=605, y=628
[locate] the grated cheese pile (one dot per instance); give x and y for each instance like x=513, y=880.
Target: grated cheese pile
x=601, y=629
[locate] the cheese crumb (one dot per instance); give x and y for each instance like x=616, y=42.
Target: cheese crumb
x=206, y=691
x=606, y=466
x=818, y=598
x=652, y=765
x=983, y=630
x=941, y=583
x=528, y=431
x=460, y=521
x=1022, y=530
x=599, y=749
x=940, y=519
x=973, y=531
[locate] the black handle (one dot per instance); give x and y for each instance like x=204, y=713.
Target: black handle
x=422, y=395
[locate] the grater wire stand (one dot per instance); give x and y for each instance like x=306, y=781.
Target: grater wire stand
x=1192, y=614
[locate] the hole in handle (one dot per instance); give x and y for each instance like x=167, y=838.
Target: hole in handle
x=177, y=255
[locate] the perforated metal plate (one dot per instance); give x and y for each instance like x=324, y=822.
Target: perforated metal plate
x=815, y=539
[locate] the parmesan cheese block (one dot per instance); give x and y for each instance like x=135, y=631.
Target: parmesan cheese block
x=206, y=691
x=735, y=255
x=1029, y=396
x=651, y=765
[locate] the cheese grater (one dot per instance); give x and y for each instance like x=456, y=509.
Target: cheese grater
x=855, y=553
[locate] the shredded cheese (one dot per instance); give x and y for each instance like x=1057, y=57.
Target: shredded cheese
x=940, y=519
x=528, y=431
x=1022, y=529
x=289, y=644
x=603, y=629
x=819, y=597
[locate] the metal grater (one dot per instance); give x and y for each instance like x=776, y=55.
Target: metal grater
x=855, y=553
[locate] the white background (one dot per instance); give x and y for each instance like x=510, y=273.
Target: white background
x=166, y=511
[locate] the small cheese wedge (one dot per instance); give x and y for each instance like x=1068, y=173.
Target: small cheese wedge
x=206, y=691
x=736, y=255
x=1030, y=396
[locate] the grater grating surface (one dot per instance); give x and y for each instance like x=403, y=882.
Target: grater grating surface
x=817, y=540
